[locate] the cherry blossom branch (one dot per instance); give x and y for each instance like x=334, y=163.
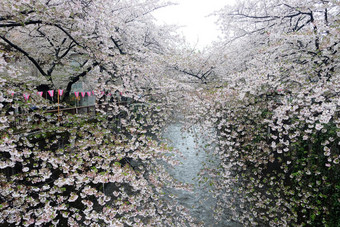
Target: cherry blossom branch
x=16, y=24
x=36, y=64
x=77, y=77
x=118, y=46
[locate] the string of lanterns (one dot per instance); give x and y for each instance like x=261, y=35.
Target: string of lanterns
x=77, y=94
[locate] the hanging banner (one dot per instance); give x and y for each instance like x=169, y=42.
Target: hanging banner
x=51, y=93
x=82, y=94
x=92, y=92
x=60, y=92
x=88, y=93
x=76, y=93
x=40, y=93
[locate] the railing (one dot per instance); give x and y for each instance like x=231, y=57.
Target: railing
x=21, y=118
x=75, y=110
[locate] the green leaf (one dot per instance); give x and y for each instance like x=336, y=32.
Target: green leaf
x=118, y=164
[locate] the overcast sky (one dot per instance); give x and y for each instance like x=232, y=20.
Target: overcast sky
x=193, y=14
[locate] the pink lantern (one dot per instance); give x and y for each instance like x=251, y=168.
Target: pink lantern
x=76, y=93
x=51, y=93
x=82, y=94
x=88, y=93
x=26, y=96
x=92, y=92
x=40, y=93
x=60, y=92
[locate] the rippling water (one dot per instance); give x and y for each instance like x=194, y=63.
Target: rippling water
x=199, y=201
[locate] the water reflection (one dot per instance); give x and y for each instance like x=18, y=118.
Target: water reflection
x=199, y=200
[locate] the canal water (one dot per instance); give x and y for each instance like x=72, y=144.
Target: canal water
x=194, y=149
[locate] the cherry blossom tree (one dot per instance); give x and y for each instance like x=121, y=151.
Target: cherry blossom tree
x=100, y=169
x=269, y=90
x=75, y=38
x=277, y=113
